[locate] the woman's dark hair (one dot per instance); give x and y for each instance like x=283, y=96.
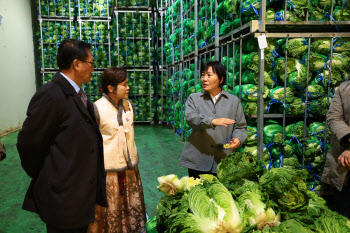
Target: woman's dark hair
x=218, y=69
x=112, y=76
x=69, y=50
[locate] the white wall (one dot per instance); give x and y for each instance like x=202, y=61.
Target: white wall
x=17, y=65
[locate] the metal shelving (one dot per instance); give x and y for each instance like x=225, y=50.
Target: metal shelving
x=229, y=47
x=64, y=19
x=134, y=49
x=97, y=22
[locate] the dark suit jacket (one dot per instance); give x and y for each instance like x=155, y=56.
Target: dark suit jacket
x=61, y=149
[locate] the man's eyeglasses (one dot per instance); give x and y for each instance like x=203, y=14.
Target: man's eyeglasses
x=92, y=63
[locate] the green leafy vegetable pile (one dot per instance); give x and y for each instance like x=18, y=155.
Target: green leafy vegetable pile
x=270, y=200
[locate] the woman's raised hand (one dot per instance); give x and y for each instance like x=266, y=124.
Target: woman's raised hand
x=222, y=122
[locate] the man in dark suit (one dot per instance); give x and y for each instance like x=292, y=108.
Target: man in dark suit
x=60, y=146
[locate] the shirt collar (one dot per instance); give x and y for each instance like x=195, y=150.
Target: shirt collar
x=217, y=96
x=223, y=92
x=74, y=85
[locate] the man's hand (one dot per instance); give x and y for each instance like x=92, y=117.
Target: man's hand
x=222, y=122
x=344, y=158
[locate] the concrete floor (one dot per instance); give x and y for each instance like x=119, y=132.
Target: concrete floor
x=159, y=150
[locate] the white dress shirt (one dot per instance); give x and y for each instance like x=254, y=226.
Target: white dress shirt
x=75, y=86
x=215, y=98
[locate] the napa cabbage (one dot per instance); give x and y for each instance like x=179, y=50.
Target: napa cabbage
x=277, y=93
x=251, y=200
x=297, y=107
x=297, y=47
x=295, y=130
x=238, y=166
x=253, y=151
x=211, y=210
x=273, y=133
x=286, y=187
x=291, y=162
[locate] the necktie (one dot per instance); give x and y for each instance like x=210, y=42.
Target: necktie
x=83, y=97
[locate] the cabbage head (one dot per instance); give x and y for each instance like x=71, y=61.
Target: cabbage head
x=286, y=187
x=273, y=133
x=297, y=47
x=253, y=151
x=291, y=162
x=212, y=210
x=321, y=45
x=250, y=108
x=251, y=200
x=316, y=91
x=297, y=107
x=250, y=92
x=332, y=222
x=339, y=62
x=277, y=93
x=317, y=61
x=238, y=166
x=295, y=130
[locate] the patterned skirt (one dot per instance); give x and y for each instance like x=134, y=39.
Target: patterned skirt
x=126, y=211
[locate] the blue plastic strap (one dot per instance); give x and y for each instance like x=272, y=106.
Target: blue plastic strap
x=297, y=85
x=323, y=145
x=311, y=94
x=309, y=167
x=291, y=5
x=250, y=6
x=304, y=41
x=295, y=138
x=270, y=163
x=275, y=54
x=273, y=101
x=178, y=132
x=336, y=26
x=281, y=158
x=204, y=43
x=279, y=16
x=267, y=146
x=314, y=134
x=337, y=45
x=274, y=77
x=248, y=93
x=320, y=75
x=248, y=131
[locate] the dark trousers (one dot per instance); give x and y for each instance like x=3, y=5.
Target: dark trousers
x=53, y=229
x=339, y=201
x=195, y=173
x=342, y=202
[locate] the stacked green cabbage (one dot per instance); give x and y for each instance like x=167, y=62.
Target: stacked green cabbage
x=59, y=8
x=122, y=3
x=144, y=108
x=96, y=8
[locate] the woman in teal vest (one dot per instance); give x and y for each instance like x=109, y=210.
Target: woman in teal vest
x=115, y=116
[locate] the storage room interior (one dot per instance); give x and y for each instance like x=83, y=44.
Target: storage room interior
x=284, y=61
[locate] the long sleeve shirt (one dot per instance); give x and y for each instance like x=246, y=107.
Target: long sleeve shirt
x=204, y=148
